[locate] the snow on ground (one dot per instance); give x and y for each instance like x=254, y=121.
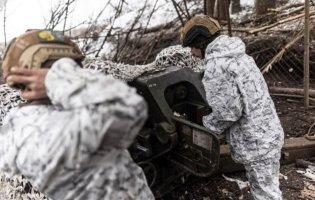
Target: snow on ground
x=296, y=1
x=246, y=3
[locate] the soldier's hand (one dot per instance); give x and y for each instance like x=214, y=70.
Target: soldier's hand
x=33, y=79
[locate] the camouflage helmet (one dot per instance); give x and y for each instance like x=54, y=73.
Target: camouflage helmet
x=199, y=25
x=36, y=47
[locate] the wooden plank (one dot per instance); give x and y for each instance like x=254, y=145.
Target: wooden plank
x=293, y=149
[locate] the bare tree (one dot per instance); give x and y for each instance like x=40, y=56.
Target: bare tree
x=182, y=13
x=209, y=7
x=91, y=33
x=144, y=29
x=59, y=14
x=66, y=15
x=117, y=14
x=221, y=11
x=236, y=6
x=133, y=25
x=217, y=9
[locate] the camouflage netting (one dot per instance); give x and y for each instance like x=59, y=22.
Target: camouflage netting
x=10, y=98
x=17, y=188
x=14, y=188
x=179, y=57
x=169, y=57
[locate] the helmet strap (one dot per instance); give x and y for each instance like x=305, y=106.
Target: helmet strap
x=202, y=42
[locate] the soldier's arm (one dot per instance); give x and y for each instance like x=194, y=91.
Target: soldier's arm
x=114, y=112
x=97, y=111
x=224, y=97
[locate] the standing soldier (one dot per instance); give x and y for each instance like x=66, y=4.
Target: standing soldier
x=70, y=137
x=241, y=104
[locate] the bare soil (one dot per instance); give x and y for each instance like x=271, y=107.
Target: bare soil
x=294, y=187
x=295, y=118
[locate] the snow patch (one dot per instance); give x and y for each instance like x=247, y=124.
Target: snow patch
x=241, y=184
x=308, y=173
x=247, y=3
x=281, y=176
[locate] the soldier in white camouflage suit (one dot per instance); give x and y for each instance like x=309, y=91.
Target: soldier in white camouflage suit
x=168, y=57
x=75, y=146
x=242, y=106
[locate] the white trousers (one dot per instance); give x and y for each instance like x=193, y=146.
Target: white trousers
x=264, y=179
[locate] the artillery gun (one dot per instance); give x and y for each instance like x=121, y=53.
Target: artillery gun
x=173, y=141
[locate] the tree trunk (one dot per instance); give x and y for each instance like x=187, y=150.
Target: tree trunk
x=236, y=6
x=262, y=6
x=209, y=7
x=217, y=9
x=222, y=10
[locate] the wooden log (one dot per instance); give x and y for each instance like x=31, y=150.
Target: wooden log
x=294, y=91
x=306, y=80
x=286, y=7
x=303, y=163
x=290, y=96
x=279, y=55
x=293, y=12
x=293, y=149
x=256, y=30
x=266, y=28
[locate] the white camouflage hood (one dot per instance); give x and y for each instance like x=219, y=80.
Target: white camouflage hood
x=225, y=46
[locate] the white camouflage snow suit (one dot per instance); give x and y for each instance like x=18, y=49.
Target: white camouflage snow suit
x=76, y=148
x=244, y=110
